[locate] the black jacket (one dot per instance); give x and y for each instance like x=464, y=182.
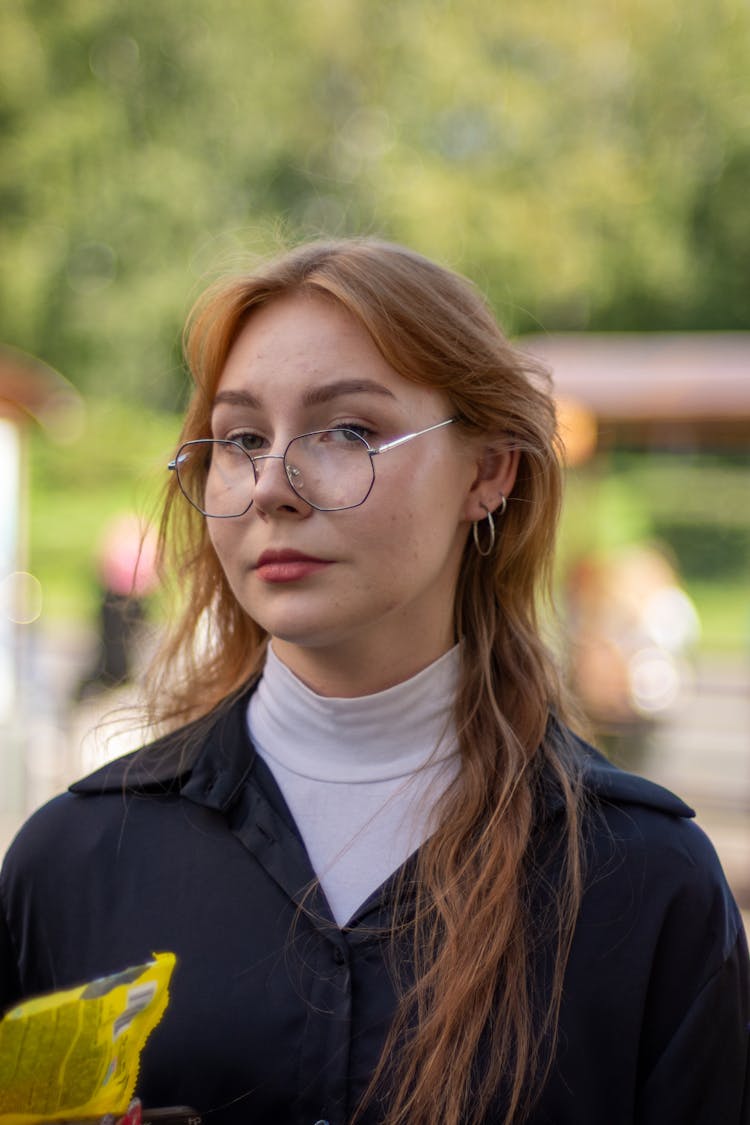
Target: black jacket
x=277, y=1016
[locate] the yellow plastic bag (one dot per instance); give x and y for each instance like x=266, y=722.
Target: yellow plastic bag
x=75, y=1054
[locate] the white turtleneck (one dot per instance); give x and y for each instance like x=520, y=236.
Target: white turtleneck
x=361, y=776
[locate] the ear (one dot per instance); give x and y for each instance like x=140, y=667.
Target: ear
x=495, y=476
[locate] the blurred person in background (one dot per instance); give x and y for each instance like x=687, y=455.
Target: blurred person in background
x=399, y=888
x=630, y=624
x=126, y=572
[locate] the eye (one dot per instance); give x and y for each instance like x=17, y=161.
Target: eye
x=349, y=428
x=250, y=442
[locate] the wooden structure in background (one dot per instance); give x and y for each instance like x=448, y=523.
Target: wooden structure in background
x=687, y=390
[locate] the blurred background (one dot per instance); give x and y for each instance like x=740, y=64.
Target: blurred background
x=587, y=166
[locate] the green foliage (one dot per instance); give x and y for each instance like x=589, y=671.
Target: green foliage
x=708, y=552
x=699, y=509
x=693, y=508
x=587, y=165
x=116, y=465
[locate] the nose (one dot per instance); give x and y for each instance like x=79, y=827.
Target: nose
x=273, y=491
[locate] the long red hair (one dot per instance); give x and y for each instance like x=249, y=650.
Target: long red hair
x=474, y=939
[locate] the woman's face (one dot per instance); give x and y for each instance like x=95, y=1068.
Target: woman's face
x=360, y=599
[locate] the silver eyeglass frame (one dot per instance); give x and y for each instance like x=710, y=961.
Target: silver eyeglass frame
x=289, y=470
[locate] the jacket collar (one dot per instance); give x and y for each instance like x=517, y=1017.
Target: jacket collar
x=609, y=783
x=209, y=761
x=206, y=761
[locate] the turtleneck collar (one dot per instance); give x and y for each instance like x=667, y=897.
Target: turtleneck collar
x=386, y=735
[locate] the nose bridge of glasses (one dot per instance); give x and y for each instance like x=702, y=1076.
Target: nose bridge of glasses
x=291, y=474
x=255, y=461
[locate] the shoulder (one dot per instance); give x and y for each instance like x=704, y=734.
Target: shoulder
x=167, y=764
x=606, y=782
x=161, y=766
x=70, y=820
x=649, y=864
x=656, y=995
x=91, y=814
x=637, y=813
x=614, y=801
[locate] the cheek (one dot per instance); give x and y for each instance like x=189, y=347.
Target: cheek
x=216, y=539
x=407, y=539
x=224, y=540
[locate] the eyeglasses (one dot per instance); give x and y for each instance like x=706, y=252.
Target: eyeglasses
x=331, y=470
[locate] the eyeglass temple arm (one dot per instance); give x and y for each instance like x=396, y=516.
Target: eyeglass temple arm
x=407, y=437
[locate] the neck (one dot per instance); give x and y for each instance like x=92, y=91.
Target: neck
x=354, y=672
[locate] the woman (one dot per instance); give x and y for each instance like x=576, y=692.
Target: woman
x=399, y=889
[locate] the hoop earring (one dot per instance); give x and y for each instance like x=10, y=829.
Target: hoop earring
x=491, y=524
x=474, y=529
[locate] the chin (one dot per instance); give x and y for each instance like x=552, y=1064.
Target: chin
x=314, y=639
x=312, y=634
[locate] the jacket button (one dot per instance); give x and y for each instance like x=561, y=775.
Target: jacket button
x=321, y=1122
x=340, y=958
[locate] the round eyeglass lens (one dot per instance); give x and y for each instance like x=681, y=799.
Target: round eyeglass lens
x=330, y=469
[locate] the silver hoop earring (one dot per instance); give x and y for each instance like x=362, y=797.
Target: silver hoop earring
x=491, y=524
x=474, y=529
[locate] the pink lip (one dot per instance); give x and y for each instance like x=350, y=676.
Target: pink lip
x=287, y=566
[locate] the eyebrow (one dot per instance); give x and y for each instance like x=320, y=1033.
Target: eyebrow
x=314, y=396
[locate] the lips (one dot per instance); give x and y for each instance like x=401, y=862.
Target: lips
x=287, y=566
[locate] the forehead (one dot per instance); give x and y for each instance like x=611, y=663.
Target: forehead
x=303, y=341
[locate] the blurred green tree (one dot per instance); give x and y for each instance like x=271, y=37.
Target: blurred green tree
x=588, y=166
